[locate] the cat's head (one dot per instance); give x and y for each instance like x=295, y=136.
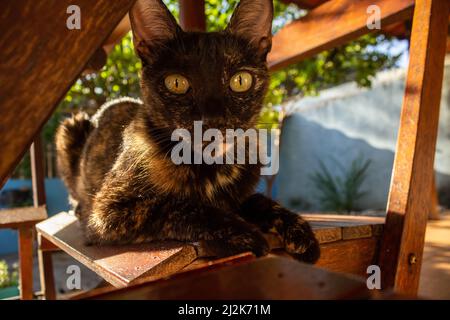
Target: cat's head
x=220, y=78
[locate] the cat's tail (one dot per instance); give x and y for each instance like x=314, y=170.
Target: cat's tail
x=71, y=137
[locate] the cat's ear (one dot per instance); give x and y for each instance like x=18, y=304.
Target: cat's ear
x=151, y=22
x=252, y=20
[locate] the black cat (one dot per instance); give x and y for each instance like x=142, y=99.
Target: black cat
x=124, y=186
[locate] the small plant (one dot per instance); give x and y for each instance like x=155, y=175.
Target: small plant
x=7, y=279
x=299, y=204
x=340, y=194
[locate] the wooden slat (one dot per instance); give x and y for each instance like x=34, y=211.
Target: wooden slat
x=325, y=234
x=192, y=15
x=40, y=59
x=199, y=265
x=37, y=171
x=306, y=4
x=46, y=275
x=338, y=218
x=265, y=278
x=329, y=25
x=332, y=227
x=356, y=232
x=351, y=227
x=207, y=264
x=433, y=213
x=119, y=265
x=26, y=263
x=409, y=197
x=349, y=256
x=17, y=217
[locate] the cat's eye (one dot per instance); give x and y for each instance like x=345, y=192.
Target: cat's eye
x=241, y=81
x=176, y=83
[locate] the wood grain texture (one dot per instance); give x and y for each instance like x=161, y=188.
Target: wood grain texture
x=26, y=263
x=349, y=256
x=305, y=4
x=192, y=15
x=433, y=213
x=37, y=171
x=199, y=265
x=40, y=59
x=46, y=275
x=409, y=195
x=265, y=278
x=332, y=227
x=330, y=25
x=119, y=265
x=24, y=216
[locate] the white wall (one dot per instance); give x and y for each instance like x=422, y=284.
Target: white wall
x=345, y=122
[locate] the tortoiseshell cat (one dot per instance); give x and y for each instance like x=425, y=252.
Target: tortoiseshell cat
x=123, y=185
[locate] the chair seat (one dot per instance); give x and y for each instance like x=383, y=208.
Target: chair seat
x=119, y=265
x=124, y=265
x=19, y=217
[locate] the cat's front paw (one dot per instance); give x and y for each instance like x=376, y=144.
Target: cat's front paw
x=300, y=242
x=254, y=242
x=233, y=244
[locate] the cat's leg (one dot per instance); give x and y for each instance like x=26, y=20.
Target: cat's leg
x=123, y=217
x=268, y=215
x=217, y=233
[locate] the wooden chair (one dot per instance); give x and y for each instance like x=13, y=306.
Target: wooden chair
x=349, y=244
x=24, y=219
x=123, y=266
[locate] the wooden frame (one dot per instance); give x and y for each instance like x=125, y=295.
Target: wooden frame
x=27, y=56
x=24, y=220
x=408, y=204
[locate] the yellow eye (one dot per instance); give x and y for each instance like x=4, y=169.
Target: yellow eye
x=176, y=83
x=241, y=81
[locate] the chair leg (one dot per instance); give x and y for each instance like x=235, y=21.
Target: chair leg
x=409, y=198
x=26, y=263
x=47, y=278
x=434, y=201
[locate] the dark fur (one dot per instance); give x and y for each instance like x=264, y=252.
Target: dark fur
x=117, y=166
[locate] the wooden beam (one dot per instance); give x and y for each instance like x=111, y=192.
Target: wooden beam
x=37, y=171
x=433, y=213
x=46, y=276
x=306, y=4
x=268, y=278
x=26, y=263
x=16, y=218
x=192, y=15
x=41, y=58
x=330, y=25
x=409, y=197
